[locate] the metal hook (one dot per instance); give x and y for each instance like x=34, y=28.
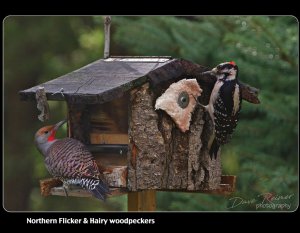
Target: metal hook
x=61, y=90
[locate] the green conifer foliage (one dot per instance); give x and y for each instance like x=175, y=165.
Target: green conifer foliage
x=264, y=148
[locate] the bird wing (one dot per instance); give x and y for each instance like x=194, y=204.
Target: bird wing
x=225, y=121
x=70, y=158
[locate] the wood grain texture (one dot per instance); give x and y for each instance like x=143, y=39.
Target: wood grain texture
x=79, y=122
x=142, y=201
x=107, y=138
x=110, y=159
x=110, y=117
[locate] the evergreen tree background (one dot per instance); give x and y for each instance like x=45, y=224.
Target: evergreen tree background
x=263, y=153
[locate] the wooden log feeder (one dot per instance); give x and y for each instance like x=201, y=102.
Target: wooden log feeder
x=111, y=108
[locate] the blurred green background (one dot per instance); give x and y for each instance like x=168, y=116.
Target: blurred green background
x=264, y=150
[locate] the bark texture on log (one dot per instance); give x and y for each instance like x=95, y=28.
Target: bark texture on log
x=161, y=156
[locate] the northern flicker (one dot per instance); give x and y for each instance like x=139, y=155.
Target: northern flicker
x=70, y=161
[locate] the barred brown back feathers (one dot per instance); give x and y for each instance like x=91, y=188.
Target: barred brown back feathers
x=70, y=160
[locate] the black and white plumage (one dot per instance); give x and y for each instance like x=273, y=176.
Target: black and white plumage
x=224, y=105
x=70, y=161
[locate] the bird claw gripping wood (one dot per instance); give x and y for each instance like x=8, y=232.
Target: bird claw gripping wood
x=42, y=104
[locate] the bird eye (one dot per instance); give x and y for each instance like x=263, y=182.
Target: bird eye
x=46, y=132
x=183, y=99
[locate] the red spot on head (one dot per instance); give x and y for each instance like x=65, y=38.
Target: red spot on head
x=232, y=63
x=52, y=136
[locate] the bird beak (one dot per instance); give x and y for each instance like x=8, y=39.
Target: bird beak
x=206, y=72
x=214, y=71
x=59, y=124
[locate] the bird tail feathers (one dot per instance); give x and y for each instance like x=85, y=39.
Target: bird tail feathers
x=214, y=148
x=100, y=191
x=97, y=187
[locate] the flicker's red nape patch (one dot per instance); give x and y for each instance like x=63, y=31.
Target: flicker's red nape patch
x=232, y=63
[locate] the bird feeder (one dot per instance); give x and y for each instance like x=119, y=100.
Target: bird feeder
x=111, y=109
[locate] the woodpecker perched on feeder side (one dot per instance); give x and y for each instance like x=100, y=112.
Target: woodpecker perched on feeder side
x=224, y=105
x=70, y=161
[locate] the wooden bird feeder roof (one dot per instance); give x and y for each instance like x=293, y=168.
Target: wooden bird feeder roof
x=107, y=79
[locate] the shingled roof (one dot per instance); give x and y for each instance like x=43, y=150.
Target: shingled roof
x=106, y=79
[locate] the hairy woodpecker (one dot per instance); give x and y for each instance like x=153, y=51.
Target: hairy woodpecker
x=224, y=105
